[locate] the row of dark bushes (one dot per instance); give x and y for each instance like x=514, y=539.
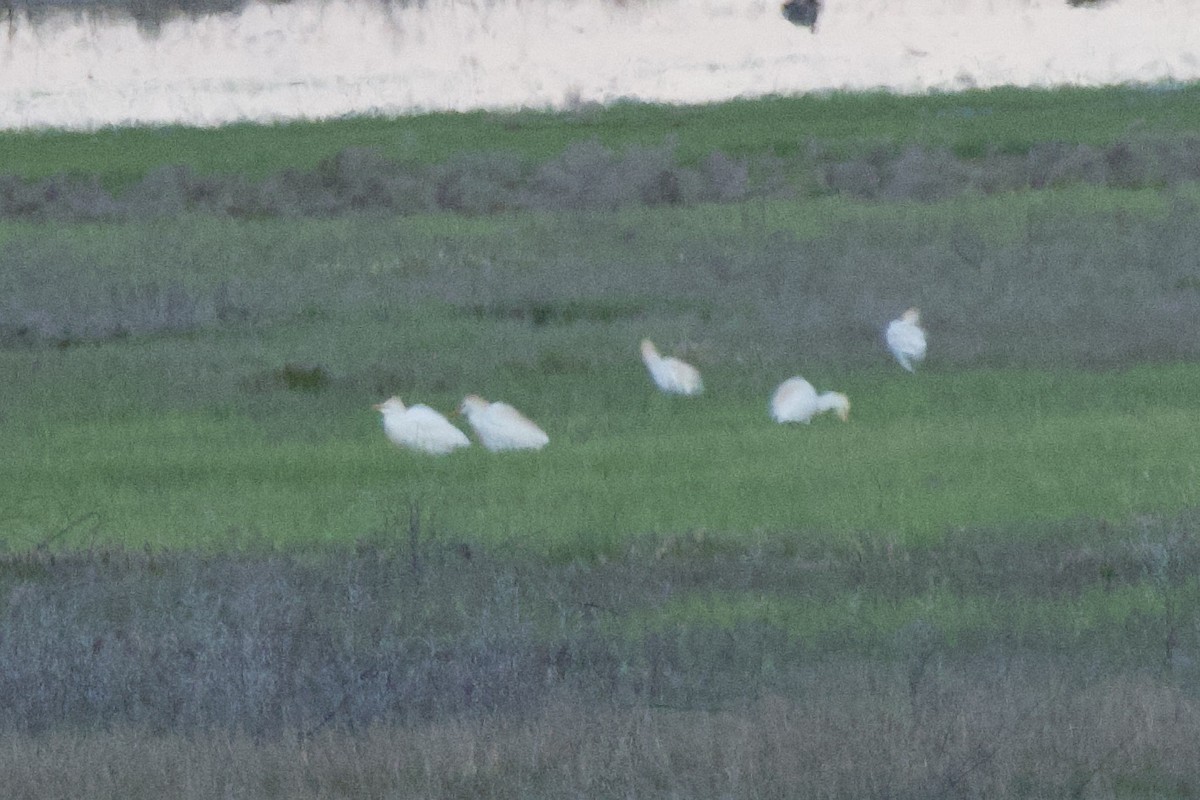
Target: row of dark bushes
x=927, y=175
x=586, y=176
x=590, y=176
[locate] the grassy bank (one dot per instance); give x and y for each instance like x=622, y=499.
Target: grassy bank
x=970, y=124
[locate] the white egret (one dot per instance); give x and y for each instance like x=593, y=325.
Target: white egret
x=906, y=338
x=419, y=428
x=670, y=374
x=797, y=401
x=499, y=426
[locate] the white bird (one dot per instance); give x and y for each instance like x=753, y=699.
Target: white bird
x=419, y=428
x=797, y=401
x=499, y=426
x=906, y=338
x=670, y=374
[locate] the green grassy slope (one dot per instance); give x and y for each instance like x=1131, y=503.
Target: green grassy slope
x=970, y=123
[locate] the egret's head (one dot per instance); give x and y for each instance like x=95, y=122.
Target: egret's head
x=912, y=315
x=843, y=406
x=648, y=349
x=472, y=404
x=391, y=405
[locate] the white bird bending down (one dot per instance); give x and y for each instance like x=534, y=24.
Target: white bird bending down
x=797, y=401
x=670, y=374
x=906, y=338
x=499, y=426
x=419, y=428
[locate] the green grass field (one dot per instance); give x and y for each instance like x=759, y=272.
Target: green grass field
x=920, y=456
x=1012, y=522
x=164, y=417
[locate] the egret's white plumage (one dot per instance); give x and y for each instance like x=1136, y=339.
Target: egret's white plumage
x=670, y=374
x=906, y=338
x=797, y=401
x=499, y=426
x=419, y=428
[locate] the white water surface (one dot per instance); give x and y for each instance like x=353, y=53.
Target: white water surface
x=329, y=58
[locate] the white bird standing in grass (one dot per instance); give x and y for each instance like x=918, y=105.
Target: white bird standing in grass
x=419, y=428
x=670, y=374
x=797, y=401
x=906, y=338
x=499, y=426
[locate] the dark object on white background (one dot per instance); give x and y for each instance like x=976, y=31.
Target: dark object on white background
x=802, y=12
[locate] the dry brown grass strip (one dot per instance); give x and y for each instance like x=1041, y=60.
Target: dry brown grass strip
x=858, y=733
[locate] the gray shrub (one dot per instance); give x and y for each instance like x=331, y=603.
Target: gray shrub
x=420, y=630
x=183, y=642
